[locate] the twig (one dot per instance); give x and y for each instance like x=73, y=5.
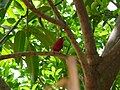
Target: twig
x=59, y=2
x=55, y=10
x=19, y=54
x=3, y=39
x=117, y=5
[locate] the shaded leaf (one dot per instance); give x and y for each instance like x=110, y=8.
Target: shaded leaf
x=43, y=9
x=49, y=34
x=32, y=64
x=18, y=5
x=11, y=20
x=44, y=39
x=3, y=8
x=19, y=43
x=88, y=2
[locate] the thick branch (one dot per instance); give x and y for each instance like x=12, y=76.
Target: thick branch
x=54, y=9
x=113, y=39
x=86, y=29
x=19, y=54
x=110, y=66
x=112, y=56
x=111, y=60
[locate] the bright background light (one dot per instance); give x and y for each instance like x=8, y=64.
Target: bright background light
x=111, y=7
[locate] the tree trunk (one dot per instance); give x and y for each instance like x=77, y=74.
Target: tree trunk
x=3, y=85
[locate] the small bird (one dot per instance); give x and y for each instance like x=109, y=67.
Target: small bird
x=58, y=45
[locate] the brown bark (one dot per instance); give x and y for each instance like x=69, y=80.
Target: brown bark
x=91, y=51
x=32, y=53
x=3, y=85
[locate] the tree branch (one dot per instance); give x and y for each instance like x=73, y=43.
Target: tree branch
x=42, y=15
x=54, y=9
x=19, y=54
x=87, y=31
x=59, y=2
x=111, y=60
x=112, y=56
x=113, y=39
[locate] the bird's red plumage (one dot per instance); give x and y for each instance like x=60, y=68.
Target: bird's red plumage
x=58, y=45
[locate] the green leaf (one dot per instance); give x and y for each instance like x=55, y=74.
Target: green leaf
x=10, y=12
x=43, y=9
x=19, y=43
x=53, y=69
x=32, y=64
x=3, y=8
x=35, y=86
x=58, y=71
x=11, y=20
x=25, y=88
x=44, y=39
x=6, y=27
x=18, y=5
x=94, y=5
x=89, y=2
x=49, y=34
x=118, y=1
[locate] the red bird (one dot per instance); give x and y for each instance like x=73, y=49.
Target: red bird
x=58, y=45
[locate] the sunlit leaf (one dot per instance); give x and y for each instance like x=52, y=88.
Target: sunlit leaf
x=35, y=87
x=58, y=71
x=53, y=69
